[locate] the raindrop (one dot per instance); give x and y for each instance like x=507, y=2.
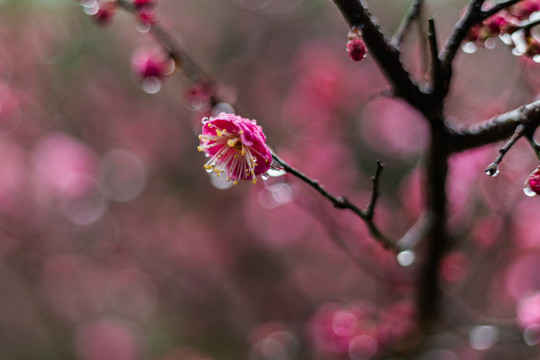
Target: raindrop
x=484, y=337
x=265, y=176
x=528, y=191
x=209, y=170
x=531, y=335
x=492, y=170
x=516, y=52
x=91, y=9
x=221, y=183
x=205, y=120
x=536, y=58
x=276, y=170
x=506, y=38
x=222, y=108
x=469, y=47
x=490, y=43
x=151, y=85
x=143, y=27
x=406, y=258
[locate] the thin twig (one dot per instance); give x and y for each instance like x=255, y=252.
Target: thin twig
x=412, y=14
x=341, y=202
x=370, y=209
x=493, y=168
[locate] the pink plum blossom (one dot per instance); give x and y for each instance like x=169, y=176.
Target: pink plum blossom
x=235, y=146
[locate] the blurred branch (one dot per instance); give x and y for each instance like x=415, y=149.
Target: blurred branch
x=416, y=233
x=180, y=57
x=498, y=7
x=343, y=203
x=414, y=13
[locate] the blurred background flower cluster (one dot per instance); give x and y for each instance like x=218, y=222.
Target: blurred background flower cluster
x=116, y=245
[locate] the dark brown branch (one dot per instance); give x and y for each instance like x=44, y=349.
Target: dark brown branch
x=439, y=80
x=386, y=55
x=343, y=203
x=472, y=16
x=529, y=25
x=498, y=128
x=498, y=7
x=370, y=210
x=412, y=14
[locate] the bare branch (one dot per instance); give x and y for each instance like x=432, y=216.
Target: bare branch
x=497, y=129
x=370, y=210
x=343, y=203
x=493, y=168
x=414, y=12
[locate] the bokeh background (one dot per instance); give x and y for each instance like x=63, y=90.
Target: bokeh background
x=116, y=245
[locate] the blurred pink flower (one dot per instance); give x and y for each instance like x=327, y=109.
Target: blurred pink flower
x=107, y=339
x=528, y=310
x=105, y=13
x=147, y=64
x=236, y=146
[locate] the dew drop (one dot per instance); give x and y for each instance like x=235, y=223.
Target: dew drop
x=531, y=335
x=205, y=120
x=222, y=108
x=536, y=58
x=469, y=47
x=91, y=9
x=209, y=170
x=492, y=170
x=406, y=258
x=143, y=27
x=273, y=172
x=151, y=85
x=484, y=337
x=528, y=191
x=265, y=176
x=506, y=38
x=490, y=44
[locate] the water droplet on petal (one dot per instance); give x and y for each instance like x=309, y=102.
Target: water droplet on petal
x=528, y=191
x=205, y=120
x=469, y=47
x=151, y=85
x=273, y=172
x=265, y=176
x=406, y=258
x=222, y=108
